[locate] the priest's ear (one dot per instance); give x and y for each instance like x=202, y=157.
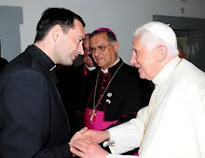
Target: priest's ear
x=56, y=32
x=161, y=52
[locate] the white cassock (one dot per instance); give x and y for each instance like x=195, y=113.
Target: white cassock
x=174, y=121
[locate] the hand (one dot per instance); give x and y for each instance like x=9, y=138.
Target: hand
x=79, y=134
x=85, y=148
x=97, y=136
x=93, y=135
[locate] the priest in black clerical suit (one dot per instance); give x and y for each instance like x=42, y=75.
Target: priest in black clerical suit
x=33, y=120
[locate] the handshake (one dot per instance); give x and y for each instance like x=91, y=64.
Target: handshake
x=85, y=142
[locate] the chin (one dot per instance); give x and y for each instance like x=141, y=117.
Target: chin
x=142, y=76
x=68, y=63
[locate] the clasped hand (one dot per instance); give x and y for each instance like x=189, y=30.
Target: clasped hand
x=85, y=143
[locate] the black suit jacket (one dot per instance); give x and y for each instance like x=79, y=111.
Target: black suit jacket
x=33, y=121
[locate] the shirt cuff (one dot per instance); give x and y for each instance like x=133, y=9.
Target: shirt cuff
x=111, y=141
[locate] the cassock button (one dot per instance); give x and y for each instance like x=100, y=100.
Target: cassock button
x=109, y=94
x=108, y=101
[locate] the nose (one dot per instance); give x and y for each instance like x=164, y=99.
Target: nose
x=132, y=60
x=95, y=53
x=80, y=49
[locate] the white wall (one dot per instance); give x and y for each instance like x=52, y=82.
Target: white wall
x=122, y=16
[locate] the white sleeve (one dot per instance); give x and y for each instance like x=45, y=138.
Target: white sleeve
x=127, y=136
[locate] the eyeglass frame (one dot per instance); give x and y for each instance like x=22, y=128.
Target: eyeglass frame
x=101, y=48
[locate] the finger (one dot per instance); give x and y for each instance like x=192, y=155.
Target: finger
x=79, y=134
x=84, y=139
x=76, y=152
x=78, y=147
x=81, y=142
x=83, y=130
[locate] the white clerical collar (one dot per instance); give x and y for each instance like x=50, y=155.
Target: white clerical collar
x=51, y=69
x=164, y=74
x=106, y=70
x=90, y=68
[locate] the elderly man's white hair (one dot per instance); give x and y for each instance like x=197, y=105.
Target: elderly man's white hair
x=155, y=33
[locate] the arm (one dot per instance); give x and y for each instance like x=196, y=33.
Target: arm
x=127, y=136
x=25, y=108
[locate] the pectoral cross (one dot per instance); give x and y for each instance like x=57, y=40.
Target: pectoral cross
x=92, y=114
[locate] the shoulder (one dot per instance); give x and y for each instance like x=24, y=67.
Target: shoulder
x=22, y=76
x=187, y=74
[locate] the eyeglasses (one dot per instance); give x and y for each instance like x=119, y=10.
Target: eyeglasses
x=101, y=48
